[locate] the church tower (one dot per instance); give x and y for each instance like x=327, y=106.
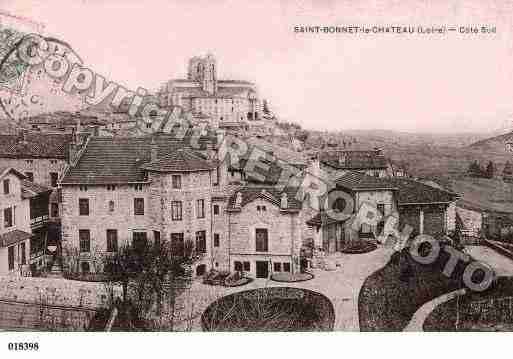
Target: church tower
x=210, y=75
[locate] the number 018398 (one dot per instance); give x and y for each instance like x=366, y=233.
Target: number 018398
x=23, y=346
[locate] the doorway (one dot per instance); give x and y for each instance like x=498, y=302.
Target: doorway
x=262, y=269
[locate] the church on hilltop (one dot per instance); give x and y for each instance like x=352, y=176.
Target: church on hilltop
x=218, y=102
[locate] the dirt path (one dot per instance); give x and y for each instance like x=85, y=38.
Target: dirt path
x=417, y=321
x=341, y=287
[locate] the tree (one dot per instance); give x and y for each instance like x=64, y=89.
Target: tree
x=302, y=135
x=148, y=275
x=490, y=170
x=474, y=169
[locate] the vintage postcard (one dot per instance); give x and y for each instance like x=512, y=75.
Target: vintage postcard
x=239, y=166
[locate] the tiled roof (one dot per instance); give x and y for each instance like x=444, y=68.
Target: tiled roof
x=353, y=159
x=281, y=152
x=120, y=159
x=323, y=219
x=31, y=189
x=179, y=161
x=270, y=193
x=35, y=145
x=13, y=237
x=5, y=170
x=414, y=192
x=360, y=181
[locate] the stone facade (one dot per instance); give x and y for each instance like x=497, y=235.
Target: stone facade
x=41, y=169
x=14, y=217
x=207, y=97
x=283, y=230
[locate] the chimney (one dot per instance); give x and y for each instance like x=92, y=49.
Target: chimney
x=284, y=201
x=154, y=150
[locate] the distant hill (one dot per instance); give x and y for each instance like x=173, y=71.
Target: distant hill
x=494, y=144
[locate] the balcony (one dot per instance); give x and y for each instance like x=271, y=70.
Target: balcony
x=39, y=221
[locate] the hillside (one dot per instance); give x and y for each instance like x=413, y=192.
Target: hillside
x=493, y=144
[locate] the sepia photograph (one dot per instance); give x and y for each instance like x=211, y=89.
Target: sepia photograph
x=224, y=172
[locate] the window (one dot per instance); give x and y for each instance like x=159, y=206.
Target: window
x=156, y=238
x=216, y=177
x=237, y=266
x=6, y=186
x=83, y=206
x=23, y=253
x=201, y=242
x=216, y=209
x=54, y=209
x=83, y=188
x=177, y=244
x=286, y=267
x=176, y=181
x=381, y=208
x=112, y=240
x=84, y=236
x=30, y=176
x=261, y=209
x=138, y=187
x=277, y=266
x=139, y=241
x=176, y=211
x=139, y=206
x=111, y=187
x=216, y=239
x=111, y=206
x=200, y=208
x=54, y=176
x=8, y=220
x=247, y=266
x=262, y=240
x=10, y=255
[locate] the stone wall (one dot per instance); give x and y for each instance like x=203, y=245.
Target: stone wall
x=40, y=167
x=56, y=292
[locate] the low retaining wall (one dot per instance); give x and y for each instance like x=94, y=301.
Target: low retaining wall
x=57, y=292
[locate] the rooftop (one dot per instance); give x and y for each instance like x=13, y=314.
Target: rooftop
x=121, y=159
x=179, y=161
x=13, y=237
x=269, y=193
x=342, y=159
x=415, y=192
x=35, y=145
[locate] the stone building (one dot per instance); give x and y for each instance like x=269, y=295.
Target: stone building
x=204, y=95
x=264, y=231
x=15, y=231
x=422, y=207
x=135, y=190
x=125, y=190
x=370, y=162
x=41, y=157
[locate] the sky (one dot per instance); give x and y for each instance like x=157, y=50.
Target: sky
x=415, y=83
